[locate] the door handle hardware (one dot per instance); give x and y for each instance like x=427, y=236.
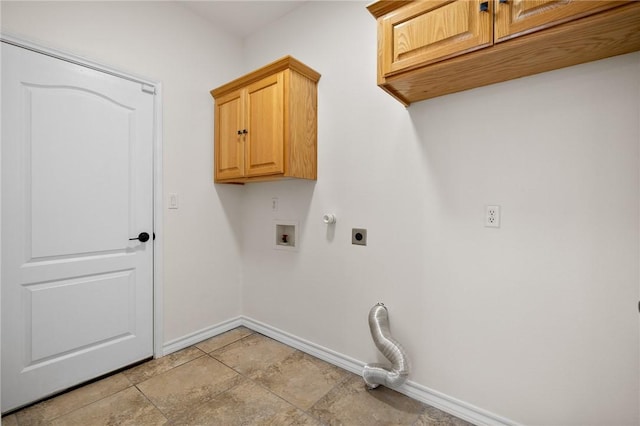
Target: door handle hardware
x=484, y=6
x=244, y=132
x=504, y=1
x=143, y=237
x=239, y=132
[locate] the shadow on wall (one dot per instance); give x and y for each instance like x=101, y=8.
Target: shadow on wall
x=465, y=154
x=331, y=230
x=231, y=201
x=250, y=209
x=294, y=202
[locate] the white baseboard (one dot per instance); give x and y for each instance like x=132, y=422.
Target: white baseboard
x=200, y=335
x=317, y=351
x=436, y=399
x=412, y=389
x=448, y=404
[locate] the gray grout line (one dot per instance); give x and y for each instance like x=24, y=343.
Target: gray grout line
x=228, y=344
x=267, y=389
x=151, y=402
x=31, y=406
x=341, y=382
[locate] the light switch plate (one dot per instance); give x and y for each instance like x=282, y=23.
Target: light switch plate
x=173, y=200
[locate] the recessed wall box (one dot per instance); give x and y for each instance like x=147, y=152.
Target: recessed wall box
x=285, y=235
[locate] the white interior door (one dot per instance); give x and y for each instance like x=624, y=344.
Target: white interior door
x=77, y=184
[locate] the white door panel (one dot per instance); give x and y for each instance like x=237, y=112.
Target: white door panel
x=77, y=183
x=106, y=298
x=101, y=150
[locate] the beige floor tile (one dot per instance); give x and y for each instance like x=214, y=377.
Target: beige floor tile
x=181, y=389
x=253, y=354
x=127, y=407
x=10, y=420
x=154, y=367
x=352, y=404
x=301, y=379
x=246, y=404
x=248, y=379
x=65, y=403
x=434, y=417
x=224, y=339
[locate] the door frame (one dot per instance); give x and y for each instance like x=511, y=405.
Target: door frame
x=158, y=270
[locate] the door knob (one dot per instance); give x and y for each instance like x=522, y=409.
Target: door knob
x=143, y=237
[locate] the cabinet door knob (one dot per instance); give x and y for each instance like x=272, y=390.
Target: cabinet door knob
x=484, y=6
x=239, y=132
x=244, y=131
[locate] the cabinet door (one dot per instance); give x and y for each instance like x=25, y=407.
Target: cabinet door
x=229, y=145
x=265, y=125
x=519, y=17
x=430, y=31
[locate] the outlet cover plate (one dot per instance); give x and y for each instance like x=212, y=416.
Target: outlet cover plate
x=492, y=217
x=359, y=236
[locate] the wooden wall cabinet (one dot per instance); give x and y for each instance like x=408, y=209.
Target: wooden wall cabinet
x=423, y=32
x=518, y=17
x=429, y=48
x=266, y=124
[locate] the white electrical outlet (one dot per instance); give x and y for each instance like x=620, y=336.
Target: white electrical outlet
x=274, y=204
x=492, y=217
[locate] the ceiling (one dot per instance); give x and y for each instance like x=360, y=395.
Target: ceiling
x=242, y=18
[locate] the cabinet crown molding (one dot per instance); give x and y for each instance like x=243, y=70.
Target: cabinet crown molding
x=381, y=8
x=286, y=62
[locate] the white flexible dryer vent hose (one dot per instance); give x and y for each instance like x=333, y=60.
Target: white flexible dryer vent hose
x=381, y=374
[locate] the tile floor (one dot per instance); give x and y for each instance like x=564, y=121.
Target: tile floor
x=237, y=378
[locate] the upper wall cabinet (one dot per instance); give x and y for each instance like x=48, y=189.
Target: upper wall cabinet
x=518, y=17
x=431, y=48
x=424, y=32
x=266, y=124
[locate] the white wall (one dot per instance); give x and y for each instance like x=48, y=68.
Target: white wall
x=166, y=42
x=536, y=321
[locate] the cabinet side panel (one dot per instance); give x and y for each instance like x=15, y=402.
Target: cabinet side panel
x=381, y=52
x=301, y=151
